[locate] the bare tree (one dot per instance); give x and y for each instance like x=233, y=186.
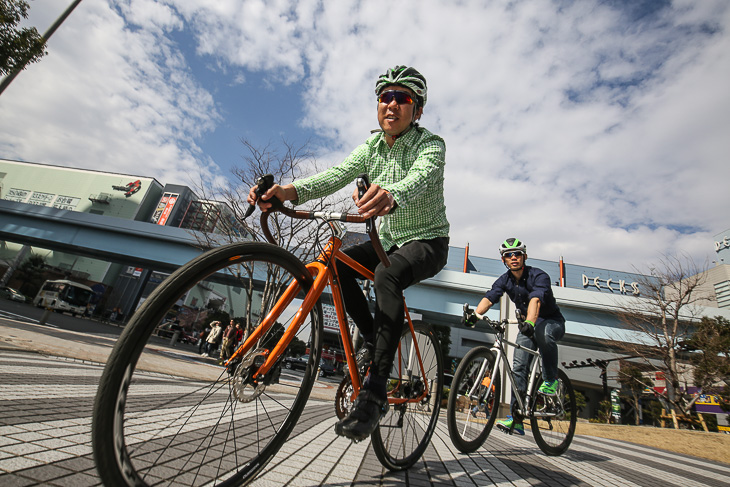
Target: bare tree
x=634, y=383
x=665, y=315
x=286, y=163
x=711, y=357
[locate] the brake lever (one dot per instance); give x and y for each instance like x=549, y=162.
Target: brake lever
x=263, y=184
x=363, y=183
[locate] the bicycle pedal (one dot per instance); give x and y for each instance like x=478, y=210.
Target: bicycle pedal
x=503, y=428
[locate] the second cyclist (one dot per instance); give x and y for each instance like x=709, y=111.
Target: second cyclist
x=542, y=327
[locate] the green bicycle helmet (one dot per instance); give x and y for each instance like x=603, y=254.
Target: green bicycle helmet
x=404, y=76
x=512, y=244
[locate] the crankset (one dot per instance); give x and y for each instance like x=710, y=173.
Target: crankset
x=549, y=407
x=343, y=398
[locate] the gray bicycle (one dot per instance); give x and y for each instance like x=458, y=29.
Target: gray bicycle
x=475, y=394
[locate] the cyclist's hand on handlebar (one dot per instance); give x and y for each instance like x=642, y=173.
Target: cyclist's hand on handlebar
x=375, y=202
x=282, y=193
x=527, y=328
x=469, y=318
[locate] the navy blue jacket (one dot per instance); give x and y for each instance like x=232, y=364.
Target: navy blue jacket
x=534, y=283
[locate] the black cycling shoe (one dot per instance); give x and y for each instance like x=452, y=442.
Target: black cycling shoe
x=364, y=418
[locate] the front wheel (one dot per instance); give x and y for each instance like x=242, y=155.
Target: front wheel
x=473, y=400
x=553, y=418
x=405, y=431
x=163, y=415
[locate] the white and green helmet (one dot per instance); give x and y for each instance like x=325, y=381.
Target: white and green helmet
x=512, y=244
x=404, y=76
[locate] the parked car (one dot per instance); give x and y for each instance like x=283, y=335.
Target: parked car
x=188, y=338
x=167, y=330
x=295, y=363
x=11, y=294
x=326, y=369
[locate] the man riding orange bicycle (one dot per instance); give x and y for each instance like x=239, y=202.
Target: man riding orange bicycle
x=405, y=164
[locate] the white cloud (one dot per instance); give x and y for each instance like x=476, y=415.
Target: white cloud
x=109, y=96
x=592, y=130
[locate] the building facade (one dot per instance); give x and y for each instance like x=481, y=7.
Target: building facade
x=588, y=296
x=113, y=195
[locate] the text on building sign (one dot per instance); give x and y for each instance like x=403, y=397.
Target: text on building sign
x=722, y=244
x=620, y=285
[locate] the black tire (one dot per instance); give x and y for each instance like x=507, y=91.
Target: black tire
x=164, y=413
x=554, y=431
x=469, y=427
x=405, y=431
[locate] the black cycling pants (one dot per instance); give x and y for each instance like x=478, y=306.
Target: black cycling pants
x=411, y=263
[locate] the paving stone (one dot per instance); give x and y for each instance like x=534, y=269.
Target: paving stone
x=45, y=439
x=44, y=472
x=15, y=464
x=12, y=480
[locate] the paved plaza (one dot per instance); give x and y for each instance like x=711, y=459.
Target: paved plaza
x=45, y=418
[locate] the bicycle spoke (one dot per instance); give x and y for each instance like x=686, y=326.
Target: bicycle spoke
x=405, y=431
x=183, y=419
x=473, y=400
x=554, y=418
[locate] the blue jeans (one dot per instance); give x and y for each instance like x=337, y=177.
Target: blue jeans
x=546, y=337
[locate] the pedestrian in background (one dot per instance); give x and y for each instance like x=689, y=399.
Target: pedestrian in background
x=229, y=337
x=201, y=339
x=214, y=337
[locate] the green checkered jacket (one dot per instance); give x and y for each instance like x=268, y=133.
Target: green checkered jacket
x=412, y=170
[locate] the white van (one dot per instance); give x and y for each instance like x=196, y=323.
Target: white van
x=62, y=295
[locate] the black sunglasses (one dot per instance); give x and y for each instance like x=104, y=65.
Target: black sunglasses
x=509, y=255
x=401, y=97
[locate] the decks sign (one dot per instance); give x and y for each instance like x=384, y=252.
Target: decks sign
x=609, y=284
x=722, y=244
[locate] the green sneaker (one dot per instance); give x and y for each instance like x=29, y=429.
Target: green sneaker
x=506, y=424
x=549, y=388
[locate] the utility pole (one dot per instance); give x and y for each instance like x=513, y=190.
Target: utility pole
x=601, y=364
x=9, y=78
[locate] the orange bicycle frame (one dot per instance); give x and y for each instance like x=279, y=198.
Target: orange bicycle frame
x=324, y=273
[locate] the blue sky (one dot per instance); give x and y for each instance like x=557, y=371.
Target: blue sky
x=596, y=130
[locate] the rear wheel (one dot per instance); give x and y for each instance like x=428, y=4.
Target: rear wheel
x=473, y=400
x=162, y=414
x=405, y=431
x=553, y=418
